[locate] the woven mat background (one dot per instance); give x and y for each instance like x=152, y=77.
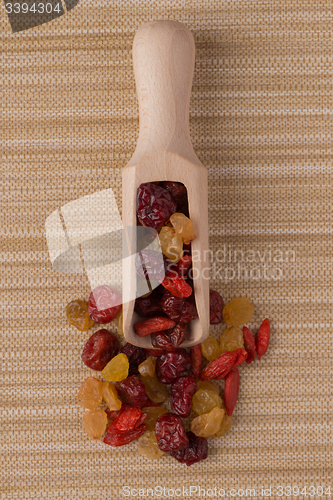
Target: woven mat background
x=261, y=121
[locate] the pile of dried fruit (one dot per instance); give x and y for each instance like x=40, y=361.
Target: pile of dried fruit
x=137, y=381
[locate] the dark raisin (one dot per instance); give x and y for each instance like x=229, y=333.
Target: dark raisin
x=171, y=364
x=152, y=265
x=182, y=391
x=215, y=307
x=99, y=349
x=132, y=391
x=196, y=451
x=169, y=340
x=170, y=433
x=179, y=309
x=136, y=355
x=104, y=304
x=151, y=305
x=155, y=205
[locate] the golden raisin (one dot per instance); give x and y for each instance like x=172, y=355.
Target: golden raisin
x=183, y=226
x=226, y=425
x=147, y=367
x=148, y=447
x=119, y=322
x=78, y=316
x=208, y=385
x=116, y=369
x=210, y=348
x=208, y=424
x=110, y=396
x=231, y=339
x=94, y=423
x=153, y=413
x=205, y=400
x=238, y=311
x=155, y=390
x=171, y=244
x=90, y=393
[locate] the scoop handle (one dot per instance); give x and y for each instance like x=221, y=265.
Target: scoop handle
x=163, y=60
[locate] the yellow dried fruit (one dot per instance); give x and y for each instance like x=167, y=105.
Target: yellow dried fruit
x=148, y=447
x=183, y=226
x=203, y=401
x=147, y=367
x=153, y=413
x=231, y=339
x=238, y=311
x=116, y=369
x=208, y=424
x=226, y=425
x=171, y=244
x=90, y=393
x=210, y=348
x=110, y=396
x=155, y=390
x=94, y=423
x=78, y=316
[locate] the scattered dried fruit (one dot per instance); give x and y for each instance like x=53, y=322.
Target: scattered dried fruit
x=196, y=450
x=208, y=385
x=101, y=347
x=219, y=367
x=123, y=438
x=262, y=338
x=171, y=364
x=148, y=447
x=231, y=339
x=132, y=391
x=110, y=396
x=153, y=413
x=250, y=345
x=170, y=433
x=226, y=425
x=182, y=391
x=90, y=393
x=78, y=316
x=238, y=311
x=94, y=423
x=210, y=348
x=135, y=356
x=207, y=424
x=116, y=369
x=231, y=389
x=155, y=390
x=215, y=307
x=204, y=400
x=104, y=304
x=147, y=367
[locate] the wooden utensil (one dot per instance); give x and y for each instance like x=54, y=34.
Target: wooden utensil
x=163, y=59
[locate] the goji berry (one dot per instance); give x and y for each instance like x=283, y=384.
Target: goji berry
x=196, y=360
x=241, y=357
x=176, y=285
x=114, y=439
x=126, y=420
x=262, y=338
x=231, y=389
x=250, y=345
x=219, y=367
x=152, y=325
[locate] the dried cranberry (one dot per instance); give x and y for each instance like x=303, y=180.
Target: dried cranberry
x=126, y=420
x=150, y=306
x=180, y=310
x=170, y=433
x=177, y=190
x=196, y=360
x=184, y=265
x=99, y=349
x=121, y=438
x=104, y=304
x=151, y=264
x=171, y=364
x=132, y=391
x=169, y=340
x=216, y=307
x=196, y=451
x=182, y=391
x=155, y=205
x=136, y=355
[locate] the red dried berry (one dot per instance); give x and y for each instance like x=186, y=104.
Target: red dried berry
x=262, y=338
x=196, y=451
x=184, y=265
x=171, y=364
x=170, y=433
x=122, y=438
x=152, y=265
x=152, y=325
x=176, y=285
x=180, y=310
x=219, y=367
x=196, y=360
x=250, y=345
x=112, y=414
x=126, y=420
x=149, y=306
x=215, y=307
x=177, y=190
x=241, y=356
x=132, y=391
x=104, y=304
x=182, y=391
x=100, y=348
x=136, y=355
x=231, y=389
x=156, y=353
x=155, y=205
x=170, y=339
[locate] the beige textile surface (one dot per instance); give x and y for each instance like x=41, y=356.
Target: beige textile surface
x=261, y=121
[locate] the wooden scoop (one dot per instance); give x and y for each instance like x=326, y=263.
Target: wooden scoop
x=163, y=59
